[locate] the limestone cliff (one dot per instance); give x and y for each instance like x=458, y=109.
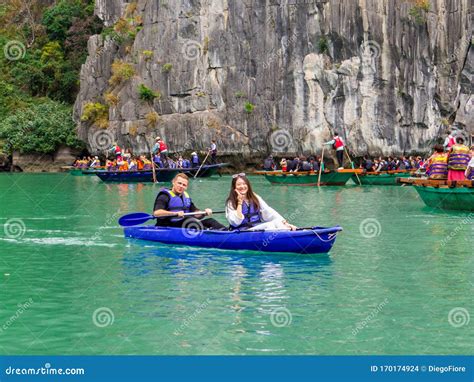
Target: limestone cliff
x=280, y=75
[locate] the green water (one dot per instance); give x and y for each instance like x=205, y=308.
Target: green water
x=400, y=283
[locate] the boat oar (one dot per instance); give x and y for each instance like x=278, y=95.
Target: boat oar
x=321, y=167
x=352, y=165
x=141, y=217
x=153, y=167
x=199, y=169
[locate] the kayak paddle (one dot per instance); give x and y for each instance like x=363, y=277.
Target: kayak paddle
x=142, y=217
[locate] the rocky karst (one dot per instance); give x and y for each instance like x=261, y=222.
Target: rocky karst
x=278, y=75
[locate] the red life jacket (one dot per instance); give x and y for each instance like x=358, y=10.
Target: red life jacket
x=451, y=141
x=163, y=146
x=338, y=143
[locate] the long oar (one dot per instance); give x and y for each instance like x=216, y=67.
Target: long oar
x=321, y=167
x=142, y=217
x=153, y=167
x=352, y=165
x=199, y=169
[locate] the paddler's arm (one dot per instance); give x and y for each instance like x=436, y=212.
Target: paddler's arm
x=269, y=214
x=161, y=203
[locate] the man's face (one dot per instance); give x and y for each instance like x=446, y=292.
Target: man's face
x=180, y=185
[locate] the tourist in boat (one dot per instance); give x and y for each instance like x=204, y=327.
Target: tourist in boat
x=194, y=159
x=338, y=145
x=294, y=165
x=269, y=164
x=95, y=162
x=171, y=205
x=132, y=165
x=438, y=163
x=305, y=165
x=367, y=163
x=458, y=159
x=469, y=173
x=122, y=165
x=146, y=163
x=246, y=210
x=284, y=165
x=314, y=164
x=450, y=140
x=180, y=162
x=213, y=151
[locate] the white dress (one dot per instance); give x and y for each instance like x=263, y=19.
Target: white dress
x=272, y=219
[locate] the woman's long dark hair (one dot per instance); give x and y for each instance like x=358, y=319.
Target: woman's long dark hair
x=250, y=195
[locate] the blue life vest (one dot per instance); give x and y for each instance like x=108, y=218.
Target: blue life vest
x=177, y=202
x=195, y=160
x=252, y=216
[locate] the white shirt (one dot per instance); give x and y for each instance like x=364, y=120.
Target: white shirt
x=470, y=167
x=267, y=213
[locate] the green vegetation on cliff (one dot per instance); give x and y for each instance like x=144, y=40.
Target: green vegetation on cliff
x=42, y=50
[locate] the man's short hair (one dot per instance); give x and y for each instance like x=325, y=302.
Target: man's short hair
x=181, y=175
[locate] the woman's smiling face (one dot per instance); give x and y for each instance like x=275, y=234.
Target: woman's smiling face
x=241, y=186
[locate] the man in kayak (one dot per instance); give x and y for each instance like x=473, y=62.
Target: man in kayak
x=171, y=205
x=246, y=210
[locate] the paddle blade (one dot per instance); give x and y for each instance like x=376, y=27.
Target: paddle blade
x=135, y=219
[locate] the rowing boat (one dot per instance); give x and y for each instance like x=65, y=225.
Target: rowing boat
x=303, y=241
x=385, y=178
x=444, y=194
x=310, y=178
x=205, y=171
x=143, y=176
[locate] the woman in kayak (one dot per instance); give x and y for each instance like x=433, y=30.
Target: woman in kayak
x=246, y=210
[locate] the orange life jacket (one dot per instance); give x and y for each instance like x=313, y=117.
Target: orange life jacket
x=124, y=166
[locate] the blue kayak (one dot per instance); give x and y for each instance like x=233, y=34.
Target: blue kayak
x=304, y=241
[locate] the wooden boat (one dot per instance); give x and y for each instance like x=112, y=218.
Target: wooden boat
x=444, y=194
x=143, y=176
x=310, y=178
x=384, y=178
x=205, y=171
x=76, y=171
x=93, y=171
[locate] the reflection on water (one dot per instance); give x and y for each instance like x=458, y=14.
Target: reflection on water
x=73, y=260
